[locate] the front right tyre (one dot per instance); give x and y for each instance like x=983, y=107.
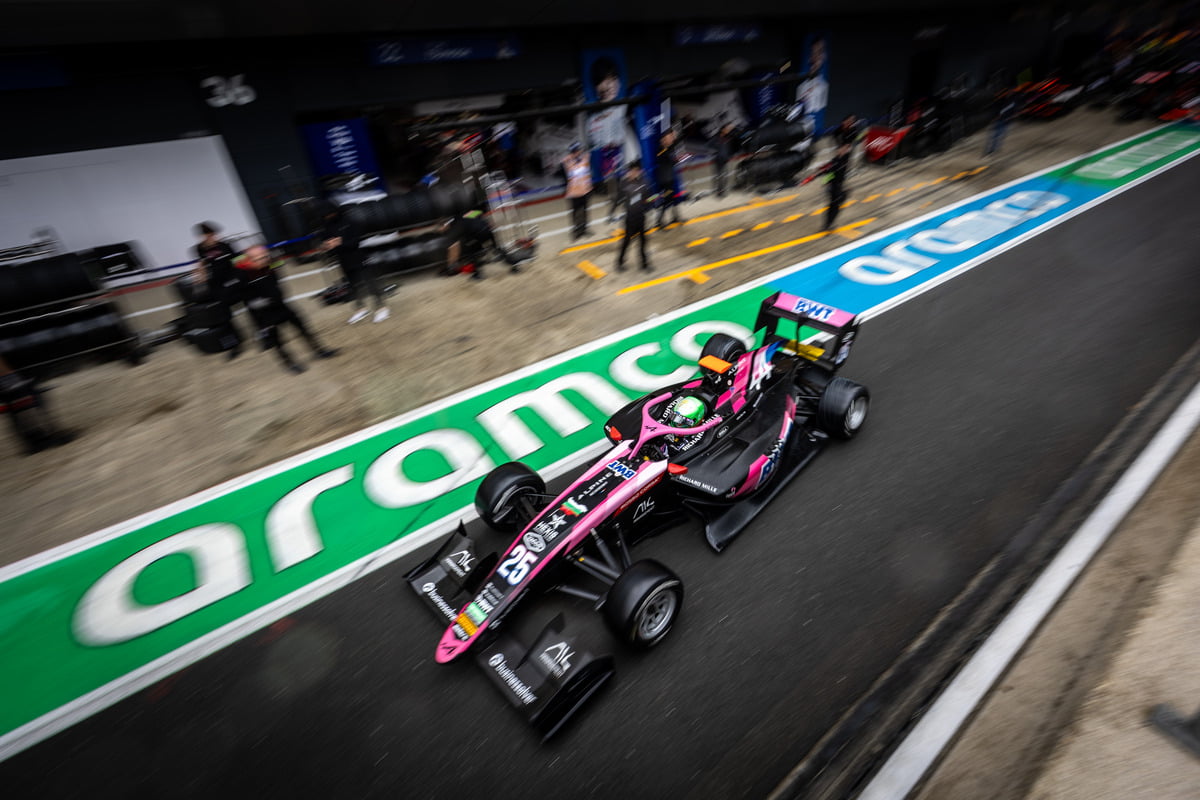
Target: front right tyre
x=842, y=409
x=643, y=603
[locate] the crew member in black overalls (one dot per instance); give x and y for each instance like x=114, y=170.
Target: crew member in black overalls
x=215, y=272
x=468, y=237
x=835, y=180
x=664, y=172
x=341, y=237
x=635, y=196
x=264, y=300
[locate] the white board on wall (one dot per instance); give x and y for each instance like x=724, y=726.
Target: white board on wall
x=152, y=194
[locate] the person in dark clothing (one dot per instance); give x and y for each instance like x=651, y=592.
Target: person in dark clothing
x=723, y=147
x=341, y=237
x=635, y=196
x=265, y=302
x=835, y=179
x=214, y=271
x=847, y=131
x=664, y=173
x=468, y=237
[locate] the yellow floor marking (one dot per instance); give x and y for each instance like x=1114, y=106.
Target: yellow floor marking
x=848, y=233
x=820, y=211
x=672, y=226
x=848, y=203
x=872, y=197
x=936, y=182
x=691, y=274
x=762, y=225
x=591, y=270
x=588, y=245
x=699, y=242
x=962, y=174
x=698, y=277
x=894, y=192
x=793, y=217
x=702, y=218
x=918, y=186
x=978, y=170
x=728, y=234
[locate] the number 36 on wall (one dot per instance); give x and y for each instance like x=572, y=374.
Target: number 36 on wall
x=228, y=91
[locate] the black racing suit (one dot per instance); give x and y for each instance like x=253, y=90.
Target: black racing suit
x=264, y=300
x=223, y=285
x=359, y=274
x=635, y=196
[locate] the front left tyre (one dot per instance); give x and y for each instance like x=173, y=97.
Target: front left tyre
x=507, y=497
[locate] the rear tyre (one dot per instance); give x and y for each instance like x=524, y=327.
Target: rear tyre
x=842, y=409
x=498, y=499
x=643, y=603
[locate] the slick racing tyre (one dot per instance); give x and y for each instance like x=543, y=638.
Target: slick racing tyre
x=842, y=409
x=643, y=603
x=499, y=497
x=723, y=346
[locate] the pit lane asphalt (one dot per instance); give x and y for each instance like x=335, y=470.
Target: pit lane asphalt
x=988, y=392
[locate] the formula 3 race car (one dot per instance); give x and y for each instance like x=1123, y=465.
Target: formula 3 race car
x=719, y=446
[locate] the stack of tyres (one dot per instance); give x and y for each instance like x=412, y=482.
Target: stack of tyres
x=414, y=208
x=48, y=281
x=50, y=314
x=206, y=322
x=38, y=344
x=771, y=167
x=416, y=252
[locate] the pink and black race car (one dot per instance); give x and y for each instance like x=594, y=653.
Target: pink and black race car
x=719, y=446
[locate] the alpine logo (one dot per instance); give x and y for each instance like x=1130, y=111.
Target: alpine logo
x=534, y=542
x=460, y=562
x=557, y=658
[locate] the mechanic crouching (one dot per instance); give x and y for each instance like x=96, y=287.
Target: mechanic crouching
x=468, y=237
x=264, y=300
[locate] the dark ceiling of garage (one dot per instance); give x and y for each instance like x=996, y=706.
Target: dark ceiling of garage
x=36, y=23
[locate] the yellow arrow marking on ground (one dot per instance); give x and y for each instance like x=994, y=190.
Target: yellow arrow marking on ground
x=699, y=242
x=591, y=270
x=702, y=218
x=762, y=225
x=728, y=234
x=696, y=274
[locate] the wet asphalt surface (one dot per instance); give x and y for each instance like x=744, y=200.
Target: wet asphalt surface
x=987, y=393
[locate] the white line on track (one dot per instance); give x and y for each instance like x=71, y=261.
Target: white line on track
x=938, y=726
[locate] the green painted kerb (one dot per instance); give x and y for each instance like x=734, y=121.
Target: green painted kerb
x=74, y=625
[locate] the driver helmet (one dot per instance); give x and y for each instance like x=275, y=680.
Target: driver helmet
x=688, y=412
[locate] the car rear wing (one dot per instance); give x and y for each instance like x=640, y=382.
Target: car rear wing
x=814, y=331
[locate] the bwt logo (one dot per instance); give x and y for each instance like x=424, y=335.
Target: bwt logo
x=814, y=310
